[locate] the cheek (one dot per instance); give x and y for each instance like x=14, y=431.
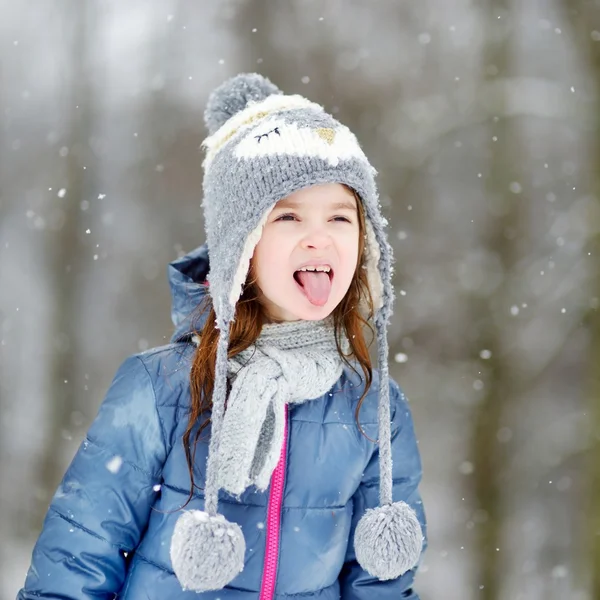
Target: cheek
x=266, y=256
x=351, y=252
x=348, y=251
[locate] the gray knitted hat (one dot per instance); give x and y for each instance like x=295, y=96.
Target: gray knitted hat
x=263, y=146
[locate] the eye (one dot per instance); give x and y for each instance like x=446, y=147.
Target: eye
x=266, y=135
x=289, y=216
x=286, y=217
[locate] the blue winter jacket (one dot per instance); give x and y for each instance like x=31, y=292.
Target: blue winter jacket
x=108, y=529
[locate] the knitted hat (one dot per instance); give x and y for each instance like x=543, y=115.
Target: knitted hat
x=263, y=146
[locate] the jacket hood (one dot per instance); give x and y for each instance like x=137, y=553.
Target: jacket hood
x=189, y=288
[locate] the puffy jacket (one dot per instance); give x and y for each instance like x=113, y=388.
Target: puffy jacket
x=108, y=529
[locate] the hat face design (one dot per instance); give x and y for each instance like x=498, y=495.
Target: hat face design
x=280, y=136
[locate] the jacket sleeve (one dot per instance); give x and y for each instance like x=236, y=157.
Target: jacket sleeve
x=355, y=583
x=102, y=506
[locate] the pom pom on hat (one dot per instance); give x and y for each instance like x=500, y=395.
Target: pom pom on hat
x=207, y=552
x=233, y=96
x=388, y=540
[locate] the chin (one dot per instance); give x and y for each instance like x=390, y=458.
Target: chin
x=279, y=308
x=313, y=316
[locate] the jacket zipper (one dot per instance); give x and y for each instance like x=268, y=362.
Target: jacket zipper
x=267, y=591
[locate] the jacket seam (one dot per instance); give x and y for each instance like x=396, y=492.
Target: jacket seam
x=129, y=578
x=233, y=502
x=125, y=461
x=88, y=531
x=160, y=349
x=154, y=564
x=304, y=594
x=160, y=420
x=296, y=420
x=166, y=570
x=375, y=483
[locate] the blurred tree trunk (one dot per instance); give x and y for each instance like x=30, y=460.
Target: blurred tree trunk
x=4, y=214
x=590, y=557
x=584, y=19
x=263, y=16
x=487, y=453
x=154, y=114
x=65, y=254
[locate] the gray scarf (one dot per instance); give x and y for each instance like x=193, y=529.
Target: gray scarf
x=290, y=362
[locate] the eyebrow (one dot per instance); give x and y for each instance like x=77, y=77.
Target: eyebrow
x=285, y=204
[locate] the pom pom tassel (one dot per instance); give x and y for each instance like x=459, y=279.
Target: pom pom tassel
x=207, y=552
x=388, y=540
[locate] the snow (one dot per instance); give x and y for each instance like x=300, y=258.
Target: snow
x=114, y=464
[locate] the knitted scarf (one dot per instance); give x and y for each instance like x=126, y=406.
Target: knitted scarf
x=290, y=362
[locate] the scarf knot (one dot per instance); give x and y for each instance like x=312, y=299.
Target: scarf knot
x=291, y=362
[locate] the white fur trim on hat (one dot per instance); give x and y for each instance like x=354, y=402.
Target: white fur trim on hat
x=244, y=264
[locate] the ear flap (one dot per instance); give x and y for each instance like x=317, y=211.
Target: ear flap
x=244, y=262
x=372, y=255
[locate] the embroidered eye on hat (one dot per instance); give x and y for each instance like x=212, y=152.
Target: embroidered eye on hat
x=263, y=146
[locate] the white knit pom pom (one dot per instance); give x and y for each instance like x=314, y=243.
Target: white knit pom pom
x=388, y=540
x=207, y=552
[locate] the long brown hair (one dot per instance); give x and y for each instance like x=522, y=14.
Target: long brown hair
x=249, y=318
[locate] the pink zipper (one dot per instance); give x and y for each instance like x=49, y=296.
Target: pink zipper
x=267, y=590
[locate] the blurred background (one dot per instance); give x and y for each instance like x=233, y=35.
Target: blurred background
x=483, y=120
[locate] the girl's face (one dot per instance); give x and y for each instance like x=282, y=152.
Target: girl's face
x=313, y=227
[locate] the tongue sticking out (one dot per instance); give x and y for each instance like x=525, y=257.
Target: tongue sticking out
x=316, y=286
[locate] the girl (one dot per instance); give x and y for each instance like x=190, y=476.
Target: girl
x=247, y=459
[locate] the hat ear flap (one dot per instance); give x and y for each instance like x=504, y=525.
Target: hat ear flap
x=241, y=273
x=372, y=256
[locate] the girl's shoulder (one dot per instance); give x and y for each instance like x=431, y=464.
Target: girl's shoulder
x=169, y=368
x=163, y=361
x=157, y=381
x=158, y=376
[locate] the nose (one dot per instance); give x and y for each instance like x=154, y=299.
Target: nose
x=316, y=239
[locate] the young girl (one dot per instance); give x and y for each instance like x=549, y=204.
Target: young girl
x=252, y=457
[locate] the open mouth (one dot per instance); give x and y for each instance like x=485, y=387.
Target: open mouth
x=299, y=282
x=315, y=284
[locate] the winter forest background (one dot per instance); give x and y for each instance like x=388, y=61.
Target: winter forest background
x=483, y=120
